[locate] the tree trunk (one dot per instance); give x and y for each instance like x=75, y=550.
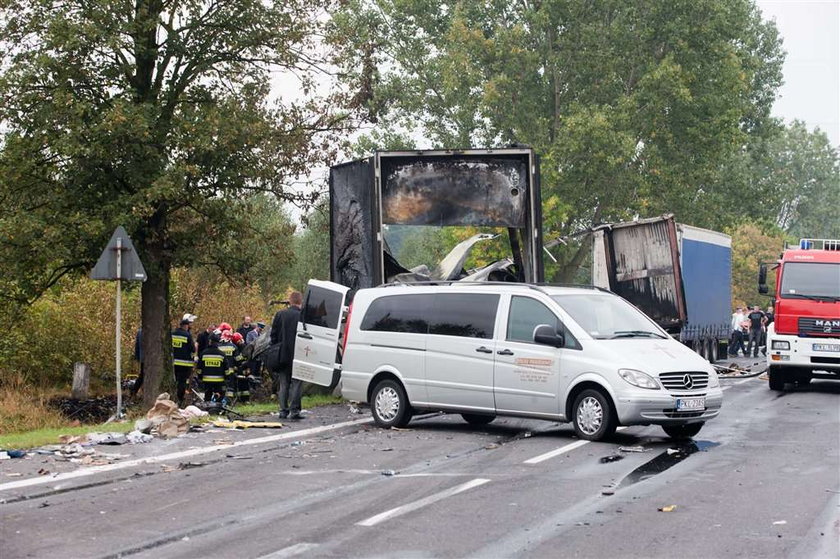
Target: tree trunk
x=155, y=315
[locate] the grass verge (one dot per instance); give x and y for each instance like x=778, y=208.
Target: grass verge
x=49, y=435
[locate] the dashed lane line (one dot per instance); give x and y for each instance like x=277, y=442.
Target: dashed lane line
x=291, y=551
x=410, y=507
x=178, y=455
x=562, y=450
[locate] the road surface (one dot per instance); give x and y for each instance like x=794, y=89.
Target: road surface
x=762, y=480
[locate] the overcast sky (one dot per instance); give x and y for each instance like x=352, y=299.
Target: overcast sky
x=810, y=30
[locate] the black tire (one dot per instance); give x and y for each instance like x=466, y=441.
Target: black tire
x=776, y=379
x=713, y=350
x=593, y=415
x=478, y=419
x=389, y=405
x=804, y=379
x=684, y=431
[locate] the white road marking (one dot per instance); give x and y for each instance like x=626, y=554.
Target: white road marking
x=303, y=433
x=562, y=449
x=290, y=551
x=410, y=507
x=725, y=388
x=743, y=381
x=555, y=452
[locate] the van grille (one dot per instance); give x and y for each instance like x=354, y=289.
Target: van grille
x=684, y=380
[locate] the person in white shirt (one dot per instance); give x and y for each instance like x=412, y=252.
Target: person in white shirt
x=736, y=340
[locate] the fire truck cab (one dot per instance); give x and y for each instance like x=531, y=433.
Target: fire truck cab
x=804, y=340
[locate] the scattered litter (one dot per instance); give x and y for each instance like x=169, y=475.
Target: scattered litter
x=608, y=492
x=354, y=409
x=389, y=473
x=669, y=508
x=388, y=449
x=399, y=429
x=190, y=465
x=832, y=491
x=491, y=446
x=143, y=425
x=15, y=474
x=297, y=443
x=138, y=437
x=763, y=376
x=242, y=424
x=671, y=451
x=779, y=522
x=192, y=411
x=4, y=455
x=222, y=441
x=166, y=418
x=611, y=458
x=107, y=438
x=185, y=539
x=632, y=449
x=43, y=505
x=74, y=450
x=527, y=434
x=43, y=472
x=70, y=439
x=235, y=457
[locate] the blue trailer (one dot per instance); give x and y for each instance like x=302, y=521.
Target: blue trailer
x=677, y=274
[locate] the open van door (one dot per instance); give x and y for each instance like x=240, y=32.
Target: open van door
x=316, y=345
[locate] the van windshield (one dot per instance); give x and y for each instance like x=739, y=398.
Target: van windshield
x=607, y=317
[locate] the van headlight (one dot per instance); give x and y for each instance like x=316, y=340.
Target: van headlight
x=780, y=344
x=638, y=378
x=714, y=381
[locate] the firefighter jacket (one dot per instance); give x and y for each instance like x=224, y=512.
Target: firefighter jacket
x=213, y=365
x=183, y=348
x=231, y=351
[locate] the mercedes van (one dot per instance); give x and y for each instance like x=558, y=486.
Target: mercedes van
x=572, y=354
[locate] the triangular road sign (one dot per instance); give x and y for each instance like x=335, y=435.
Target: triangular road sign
x=131, y=269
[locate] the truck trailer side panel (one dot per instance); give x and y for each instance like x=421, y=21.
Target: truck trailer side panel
x=706, y=262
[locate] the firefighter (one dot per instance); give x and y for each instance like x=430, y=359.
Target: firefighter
x=227, y=347
x=183, y=353
x=242, y=384
x=213, y=368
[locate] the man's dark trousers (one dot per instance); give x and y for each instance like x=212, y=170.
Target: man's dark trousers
x=182, y=376
x=755, y=336
x=289, y=391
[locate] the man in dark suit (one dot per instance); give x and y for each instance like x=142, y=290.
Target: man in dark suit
x=283, y=333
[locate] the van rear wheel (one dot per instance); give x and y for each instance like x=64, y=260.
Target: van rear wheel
x=685, y=431
x=389, y=404
x=593, y=415
x=477, y=419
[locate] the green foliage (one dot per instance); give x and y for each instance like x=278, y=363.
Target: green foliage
x=752, y=244
x=634, y=106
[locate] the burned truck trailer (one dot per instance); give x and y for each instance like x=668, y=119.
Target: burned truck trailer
x=485, y=188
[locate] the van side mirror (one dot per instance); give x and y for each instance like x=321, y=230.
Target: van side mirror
x=547, y=335
x=762, y=279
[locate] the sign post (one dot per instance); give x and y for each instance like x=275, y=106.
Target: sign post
x=110, y=267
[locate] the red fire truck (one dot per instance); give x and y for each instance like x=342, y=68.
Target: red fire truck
x=804, y=340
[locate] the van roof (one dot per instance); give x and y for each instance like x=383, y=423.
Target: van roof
x=548, y=289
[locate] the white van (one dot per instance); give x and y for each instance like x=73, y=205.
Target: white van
x=578, y=354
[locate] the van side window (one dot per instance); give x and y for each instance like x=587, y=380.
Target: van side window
x=322, y=307
x=468, y=315
x=526, y=314
x=399, y=313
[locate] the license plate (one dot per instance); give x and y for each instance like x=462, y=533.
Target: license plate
x=826, y=347
x=691, y=404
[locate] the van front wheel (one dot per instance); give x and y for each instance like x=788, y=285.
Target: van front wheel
x=389, y=405
x=594, y=417
x=685, y=431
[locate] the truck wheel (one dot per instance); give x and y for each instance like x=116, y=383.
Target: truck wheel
x=804, y=379
x=593, y=415
x=389, y=405
x=775, y=376
x=477, y=418
x=713, y=350
x=685, y=431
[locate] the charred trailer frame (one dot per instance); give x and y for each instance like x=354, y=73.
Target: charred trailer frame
x=492, y=187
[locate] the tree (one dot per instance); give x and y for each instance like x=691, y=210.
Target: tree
x=752, y=244
x=154, y=115
x=634, y=106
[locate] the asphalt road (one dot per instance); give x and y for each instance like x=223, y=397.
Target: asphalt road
x=762, y=480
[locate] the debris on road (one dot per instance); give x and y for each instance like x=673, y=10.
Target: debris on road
x=389, y=473
x=779, y=522
x=632, y=449
x=669, y=508
x=608, y=492
x=611, y=458
x=166, y=418
x=107, y=438
x=138, y=437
